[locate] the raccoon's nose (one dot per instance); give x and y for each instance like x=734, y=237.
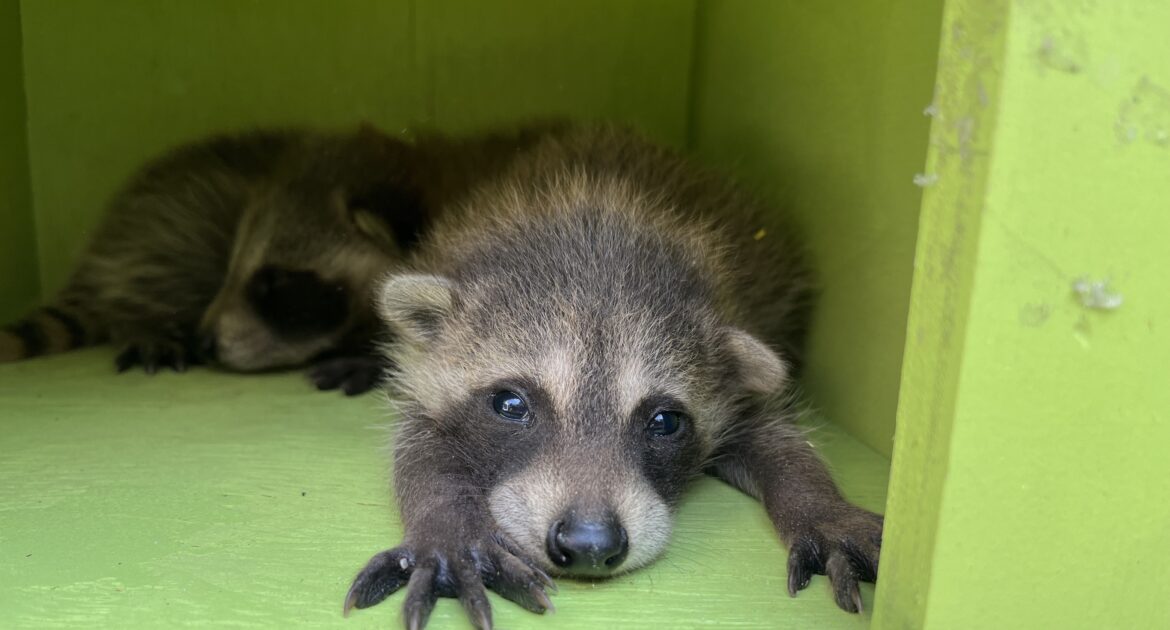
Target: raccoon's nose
x=589, y=546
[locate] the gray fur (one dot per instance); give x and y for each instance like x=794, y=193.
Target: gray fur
x=186, y=230
x=170, y=266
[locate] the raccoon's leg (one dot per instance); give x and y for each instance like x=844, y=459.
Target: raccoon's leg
x=153, y=309
x=159, y=257
x=771, y=460
x=151, y=330
x=452, y=546
x=356, y=365
x=352, y=374
x=171, y=345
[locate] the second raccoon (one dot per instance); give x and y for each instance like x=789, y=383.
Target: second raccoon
x=254, y=251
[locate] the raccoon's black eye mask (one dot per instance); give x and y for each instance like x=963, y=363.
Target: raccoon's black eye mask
x=297, y=303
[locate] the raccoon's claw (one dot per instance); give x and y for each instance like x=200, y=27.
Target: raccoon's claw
x=845, y=547
x=465, y=573
x=384, y=573
x=520, y=582
x=353, y=375
x=421, y=595
x=153, y=355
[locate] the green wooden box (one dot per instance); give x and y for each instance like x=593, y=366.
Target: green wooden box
x=958, y=166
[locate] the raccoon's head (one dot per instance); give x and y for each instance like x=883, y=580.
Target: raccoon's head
x=580, y=372
x=306, y=255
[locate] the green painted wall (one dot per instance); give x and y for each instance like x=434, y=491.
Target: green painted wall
x=1047, y=420
x=819, y=105
x=111, y=83
x=496, y=61
x=18, y=263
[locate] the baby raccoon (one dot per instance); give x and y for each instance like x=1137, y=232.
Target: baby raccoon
x=254, y=251
x=575, y=342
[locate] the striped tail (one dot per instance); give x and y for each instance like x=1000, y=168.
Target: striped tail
x=48, y=330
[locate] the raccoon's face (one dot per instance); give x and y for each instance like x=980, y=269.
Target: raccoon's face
x=583, y=412
x=284, y=315
x=300, y=280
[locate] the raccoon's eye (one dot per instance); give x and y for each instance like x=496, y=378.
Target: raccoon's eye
x=664, y=423
x=297, y=303
x=510, y=406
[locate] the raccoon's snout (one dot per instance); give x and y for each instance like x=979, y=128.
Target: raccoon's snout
x=588, y=546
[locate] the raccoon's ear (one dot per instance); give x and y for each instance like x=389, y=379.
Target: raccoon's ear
x=392, y=214
x=761, y=370
x=414, y=305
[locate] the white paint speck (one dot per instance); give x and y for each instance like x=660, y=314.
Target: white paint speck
x=1096, y=294
x=925, y=180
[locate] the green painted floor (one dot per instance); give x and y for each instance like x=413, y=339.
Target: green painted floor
x=207, y=499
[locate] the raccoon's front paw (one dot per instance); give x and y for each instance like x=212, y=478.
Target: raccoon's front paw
x=458, y=569
x=154, y=353
x=353, y=375
x=845, y=546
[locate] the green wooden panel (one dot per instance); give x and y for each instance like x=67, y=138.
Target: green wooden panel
x=1030, y=479
x=820, y=105
x=1058, y=479
x=111, y=83
x=495, y=61
x=129, y=501
x=19, y=284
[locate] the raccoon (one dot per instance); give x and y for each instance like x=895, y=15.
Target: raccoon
x=576, y=341
x=256, y=251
